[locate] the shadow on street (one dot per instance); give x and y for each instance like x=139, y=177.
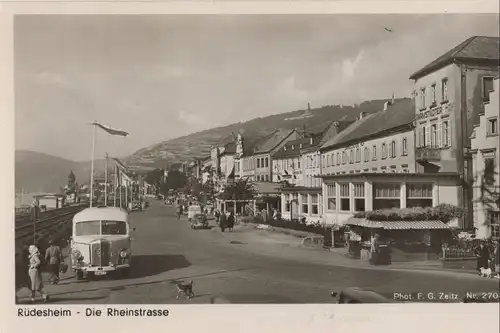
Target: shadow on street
x=149, y=265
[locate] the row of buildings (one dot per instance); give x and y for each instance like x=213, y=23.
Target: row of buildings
x=422, y=151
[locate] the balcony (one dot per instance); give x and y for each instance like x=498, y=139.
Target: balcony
x=427, y=154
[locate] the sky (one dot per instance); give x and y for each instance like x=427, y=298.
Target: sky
x=164, y=76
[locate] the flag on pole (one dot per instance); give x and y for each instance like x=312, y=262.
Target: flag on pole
x=120, y=165
x=110, y=130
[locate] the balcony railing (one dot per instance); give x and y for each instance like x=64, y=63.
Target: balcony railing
x=428, y=154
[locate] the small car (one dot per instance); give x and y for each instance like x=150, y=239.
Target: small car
x=199, y=221
x=101, y=242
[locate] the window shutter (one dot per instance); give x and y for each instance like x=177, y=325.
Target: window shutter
x=427, y=136
x=449, y=134
x=439, y=135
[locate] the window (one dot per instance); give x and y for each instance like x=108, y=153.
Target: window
x=404, y=150
x=433, y=135
x=344, y=157
x=422, y=99
x=258, y=163
x=323, y=158
x=386, y=195
x=384, y=151
x=358, y=155
x=345, y=201
x=314, y=204
x=267, y=178
x=433, y=94
x=288, y=204
x=489, y=171
x=351, y=156
x=88, y=228
x=494, y=222
x=492, y=126
x=305, y=204
x=374, y=153
x=444, y=90
x=298, y=163
x=419, y=195
x=446, y=133
x=359, y=197
x=267, y=162
x=331, y=195
x=367, y=154
x=114, y=228
x=337, y=159
x=487, y=87
x=392, y=149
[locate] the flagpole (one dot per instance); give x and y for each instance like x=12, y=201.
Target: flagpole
x=106, y=180
x=115, y=187
x=92, y=166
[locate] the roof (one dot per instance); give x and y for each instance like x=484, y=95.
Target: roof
x=250, y=143
x=479, y=48
x=104, y=213
x=398, y=225
x=398, y=114
x=272, y=141
x=229, y=148
x=293, y=148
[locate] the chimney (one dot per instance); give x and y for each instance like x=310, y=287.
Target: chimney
x=386, y=104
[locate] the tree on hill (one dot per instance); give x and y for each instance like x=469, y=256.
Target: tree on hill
x=154, y=177
x=175, y=180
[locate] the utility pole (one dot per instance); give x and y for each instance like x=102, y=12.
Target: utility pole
x=106, y=180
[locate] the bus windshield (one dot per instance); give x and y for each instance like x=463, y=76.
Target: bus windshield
x=89, y=228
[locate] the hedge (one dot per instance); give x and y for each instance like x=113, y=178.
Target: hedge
x=443, y=212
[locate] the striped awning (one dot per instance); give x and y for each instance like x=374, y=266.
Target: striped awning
x=398, y=225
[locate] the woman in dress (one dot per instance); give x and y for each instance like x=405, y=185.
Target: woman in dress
x=35, y=274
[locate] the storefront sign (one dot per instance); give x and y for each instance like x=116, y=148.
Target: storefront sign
x=435, y=111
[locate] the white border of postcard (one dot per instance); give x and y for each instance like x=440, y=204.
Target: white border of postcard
x=243, y=318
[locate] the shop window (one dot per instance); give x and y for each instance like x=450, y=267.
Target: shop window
x=345, y=201
x=305, y=204
x=331, y=195
x=386, y=196
x=494, y=223
x=359, y=197
x=314, y=204
x=419, y=195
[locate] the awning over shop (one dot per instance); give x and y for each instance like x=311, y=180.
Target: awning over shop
x=398, y=225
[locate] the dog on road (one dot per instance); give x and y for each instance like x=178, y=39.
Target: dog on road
x=185, y=289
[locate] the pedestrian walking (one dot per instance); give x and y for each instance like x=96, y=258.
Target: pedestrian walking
x=483, y=256
x=375, y=249
x=217, y=215
x=264, y=215
x=222, y=221
x=230, y=221
x=179, y=212
x=53, y=258
x=35, y=274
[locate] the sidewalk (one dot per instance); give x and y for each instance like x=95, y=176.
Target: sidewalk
x=289, y=247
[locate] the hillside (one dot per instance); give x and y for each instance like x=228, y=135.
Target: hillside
x=198, y=144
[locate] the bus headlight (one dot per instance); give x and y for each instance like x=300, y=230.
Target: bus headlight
x=124, y=253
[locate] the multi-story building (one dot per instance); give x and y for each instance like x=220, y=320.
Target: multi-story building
x=298, y=166
x=450, y=94
x=265, y=149
x=485, y=165
x=371, y=165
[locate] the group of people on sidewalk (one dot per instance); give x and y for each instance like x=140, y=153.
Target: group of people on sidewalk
x=33, y=280
x=226, y=220
x=486, y=258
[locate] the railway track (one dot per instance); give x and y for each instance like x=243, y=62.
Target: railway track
x=26, y=219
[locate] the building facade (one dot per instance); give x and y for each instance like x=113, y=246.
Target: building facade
x=485, y=165
x=450, y=94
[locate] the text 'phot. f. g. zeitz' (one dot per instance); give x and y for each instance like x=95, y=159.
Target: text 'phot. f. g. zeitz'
x=255, y=159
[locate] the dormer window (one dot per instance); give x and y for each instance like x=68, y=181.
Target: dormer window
x=284, y=148
x=300, y=146
x=293, y=147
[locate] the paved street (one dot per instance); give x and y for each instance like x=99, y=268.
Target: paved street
x=236, y=268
